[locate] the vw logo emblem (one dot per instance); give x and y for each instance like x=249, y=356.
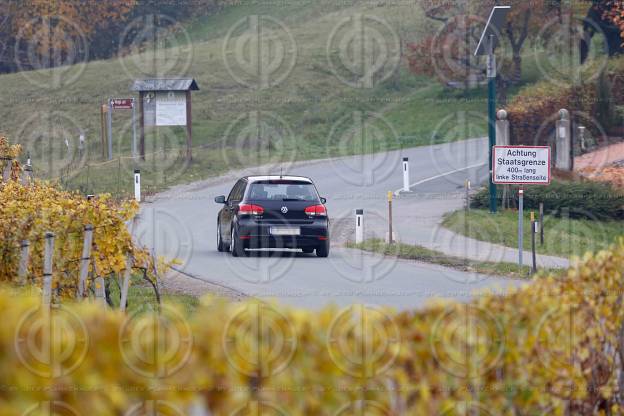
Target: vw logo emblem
x=284, y=210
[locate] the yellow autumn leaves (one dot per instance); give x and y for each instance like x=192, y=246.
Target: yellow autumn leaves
x=552, y=347
x=28, y=212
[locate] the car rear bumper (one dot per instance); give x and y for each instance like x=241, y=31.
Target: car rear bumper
x=258, y=235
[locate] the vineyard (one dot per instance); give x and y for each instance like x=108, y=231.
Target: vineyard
x=31, y=209
x=552, y=347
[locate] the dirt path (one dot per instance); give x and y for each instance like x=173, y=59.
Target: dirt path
x=600, y=158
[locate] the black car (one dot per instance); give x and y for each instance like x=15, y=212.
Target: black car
x=273, y=212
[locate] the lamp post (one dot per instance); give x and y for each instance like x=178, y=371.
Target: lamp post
x=486, y=47
x=491, y=75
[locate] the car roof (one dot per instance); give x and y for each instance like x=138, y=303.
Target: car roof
x=278, y=177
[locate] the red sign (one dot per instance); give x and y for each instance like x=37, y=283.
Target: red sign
x=122, y=103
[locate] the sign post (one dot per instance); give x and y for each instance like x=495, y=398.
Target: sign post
x=521, y=165
x=390, y=239
x=520, y=225
x=487, y=44
x=120, y=104
x=110, y=129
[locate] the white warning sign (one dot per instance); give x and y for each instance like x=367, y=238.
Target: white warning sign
x=171, y=108
x=521, y=165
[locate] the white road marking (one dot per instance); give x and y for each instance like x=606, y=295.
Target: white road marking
x=398, y=191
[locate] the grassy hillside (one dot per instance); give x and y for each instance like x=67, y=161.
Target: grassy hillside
x=311, y=114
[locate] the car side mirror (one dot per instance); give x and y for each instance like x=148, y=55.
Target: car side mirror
x=323, y=200
x=220, y=199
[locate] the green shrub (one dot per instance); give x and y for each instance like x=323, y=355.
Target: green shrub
x=591, y=200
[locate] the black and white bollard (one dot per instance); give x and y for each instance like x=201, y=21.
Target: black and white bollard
x=406, y=176
x=137, y=185
x=534, y=230
x=359, y=226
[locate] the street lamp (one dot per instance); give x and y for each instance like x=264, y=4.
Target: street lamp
x=487, y=44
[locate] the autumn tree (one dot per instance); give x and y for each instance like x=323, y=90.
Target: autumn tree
x=447, y=55
x=48, y=33
x=44, y=33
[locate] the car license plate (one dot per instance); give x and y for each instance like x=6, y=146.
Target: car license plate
x=285, y=231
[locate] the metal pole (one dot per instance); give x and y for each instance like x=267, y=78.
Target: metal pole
x=541, y=222
x=134, y=142
x=467, y=186
x=359, y=226
x=491, y=74
x=390, y=239
x=141, y=125
x=103, y=129
x=520, y=225
x=110, y=129
x=533, y=232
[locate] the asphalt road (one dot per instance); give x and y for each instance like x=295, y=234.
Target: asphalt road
x=181, y=223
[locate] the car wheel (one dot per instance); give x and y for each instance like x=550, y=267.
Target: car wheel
x=307, y=250
x=323, y=249
x=221, y=247
x=236, y=247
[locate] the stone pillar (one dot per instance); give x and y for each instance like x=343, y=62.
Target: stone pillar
x=502, y=129
x=563, y=142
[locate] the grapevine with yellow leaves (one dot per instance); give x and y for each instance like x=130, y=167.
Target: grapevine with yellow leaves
x=553, y=347
x=27, y=212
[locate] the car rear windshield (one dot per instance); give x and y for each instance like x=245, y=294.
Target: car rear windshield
x=282, y=190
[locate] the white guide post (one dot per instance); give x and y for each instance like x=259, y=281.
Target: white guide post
x=137, y=185
x=406, y=175
x=359, y=226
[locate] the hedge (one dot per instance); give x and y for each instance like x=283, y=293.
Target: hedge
x=552, y=347
x=588, y=199
x=533, y=112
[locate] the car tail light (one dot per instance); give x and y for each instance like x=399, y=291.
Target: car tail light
x=316, y=211
x=250, y=209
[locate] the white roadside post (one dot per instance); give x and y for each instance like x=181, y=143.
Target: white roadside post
x=406, y=175
x=520, y=224
x=359, y=226
x=137, y=185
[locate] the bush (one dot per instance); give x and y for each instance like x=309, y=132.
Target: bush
x=552, y=347
x=533, y=112
x=591, y=200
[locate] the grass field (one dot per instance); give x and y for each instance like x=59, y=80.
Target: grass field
x=425, y=255
x=310, y=114
x=562, y=237
x=141, y=296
